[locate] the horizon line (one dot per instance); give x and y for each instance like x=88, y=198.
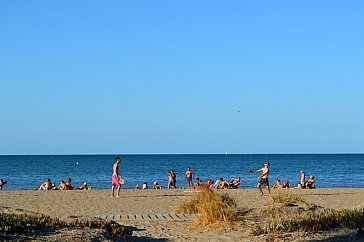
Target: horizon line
x=120, y=154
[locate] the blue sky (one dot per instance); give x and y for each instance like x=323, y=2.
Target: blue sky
x=91, y=77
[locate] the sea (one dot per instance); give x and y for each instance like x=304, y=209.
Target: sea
x=27, y=172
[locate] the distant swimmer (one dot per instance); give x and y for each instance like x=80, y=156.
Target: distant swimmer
x=263, y=179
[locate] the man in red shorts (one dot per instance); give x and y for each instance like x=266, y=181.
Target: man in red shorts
x=115, y=178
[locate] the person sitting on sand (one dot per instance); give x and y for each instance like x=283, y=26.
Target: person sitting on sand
x=156, y=185
x=286, y=184
x=210, y=183
x=68, y=185
x=145, y=185
x=277, y=185
x=137, y=187
x=234, y=184
x=46, y=185
x=309, y=184
x=236, y=180
x=216, y=184
x=198, y=182
x=223, y=184
x=2, y=183
x=62, y=185
x=83, y=187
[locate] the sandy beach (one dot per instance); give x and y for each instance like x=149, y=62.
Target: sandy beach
x=89, y=204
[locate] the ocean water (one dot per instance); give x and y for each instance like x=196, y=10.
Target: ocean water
x=27, y=172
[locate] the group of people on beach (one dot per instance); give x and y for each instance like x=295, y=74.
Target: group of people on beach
x=219, y=184
x=117, y=181
x=48, y=185
x=189, y=176
x=263, y=180
x=309, y=184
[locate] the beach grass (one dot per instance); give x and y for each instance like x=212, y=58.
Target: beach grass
x=214, y=210
x=28, y=224
x=284, y=196
x=344, y=219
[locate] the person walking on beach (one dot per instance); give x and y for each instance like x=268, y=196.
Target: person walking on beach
x=115, y=178
x=189, y=177
x=263, y=179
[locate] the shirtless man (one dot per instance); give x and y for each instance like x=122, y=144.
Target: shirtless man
x=62, y=186
x=46, y=185
x=263, y=179
x=115, y=178
x=189, y=177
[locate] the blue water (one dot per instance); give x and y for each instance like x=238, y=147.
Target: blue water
x=29, y=171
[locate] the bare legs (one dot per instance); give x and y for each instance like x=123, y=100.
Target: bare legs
x=260, y=189
x=112, y=191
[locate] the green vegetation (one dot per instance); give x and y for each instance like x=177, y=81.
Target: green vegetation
x=28, y=224
x=349, y=219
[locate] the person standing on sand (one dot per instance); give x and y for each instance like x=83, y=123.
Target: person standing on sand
x=189, y=177
x=171, y=179
x=302, y=178
x=115, y=178
x=263, y=179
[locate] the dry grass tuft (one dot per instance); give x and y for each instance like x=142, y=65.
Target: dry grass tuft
x=214, y=210
x=285, y=197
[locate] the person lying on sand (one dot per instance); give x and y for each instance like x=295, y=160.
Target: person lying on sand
x=83, y=187
x=208, y=185
x=46, y=185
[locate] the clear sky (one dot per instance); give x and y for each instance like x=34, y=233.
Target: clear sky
x=141, y=77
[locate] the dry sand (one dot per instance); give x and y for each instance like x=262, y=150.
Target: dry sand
x=88, y=204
